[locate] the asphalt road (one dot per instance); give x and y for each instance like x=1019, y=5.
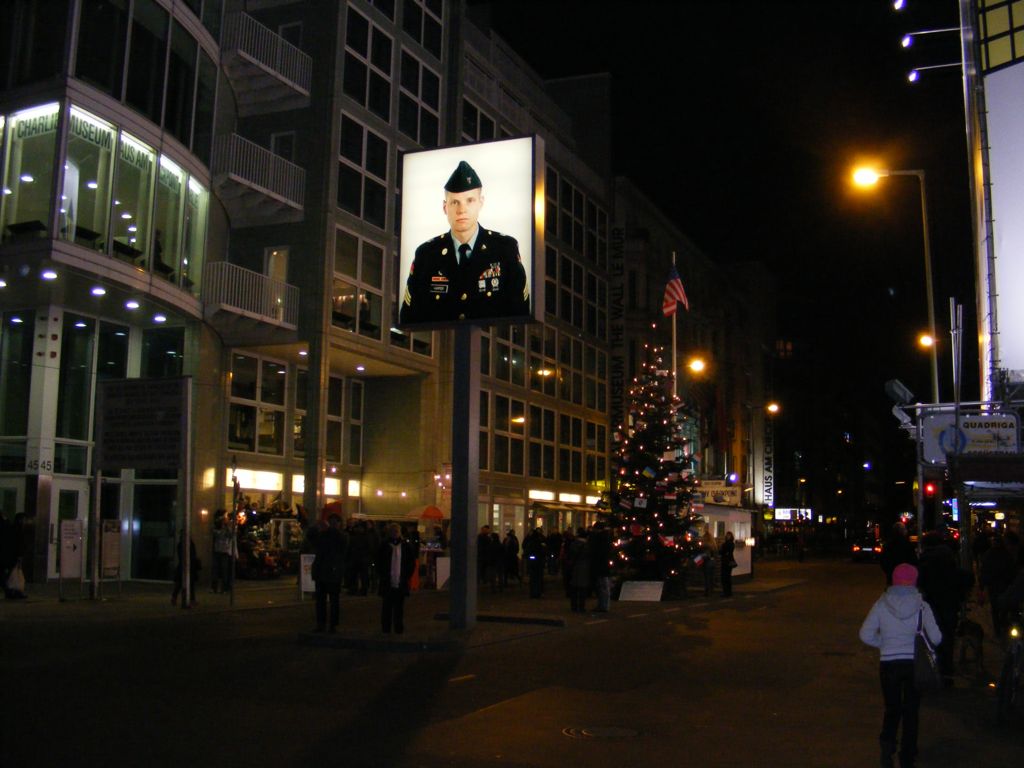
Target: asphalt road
x=773, y=677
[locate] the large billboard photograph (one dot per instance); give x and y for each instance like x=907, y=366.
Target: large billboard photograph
x=470, y=234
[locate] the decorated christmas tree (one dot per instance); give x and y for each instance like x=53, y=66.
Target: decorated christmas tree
x=648, y=507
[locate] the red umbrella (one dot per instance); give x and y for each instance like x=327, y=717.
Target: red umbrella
x=432, y=513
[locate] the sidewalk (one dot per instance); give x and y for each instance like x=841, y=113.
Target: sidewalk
x=501, y=615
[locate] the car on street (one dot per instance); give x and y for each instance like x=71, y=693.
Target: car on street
x=866, y=548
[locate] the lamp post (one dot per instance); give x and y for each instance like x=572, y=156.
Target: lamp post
x=866, y=177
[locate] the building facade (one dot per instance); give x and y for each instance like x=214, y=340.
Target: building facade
x=210, y=189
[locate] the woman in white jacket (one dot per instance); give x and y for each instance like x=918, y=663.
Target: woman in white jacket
x=890, y=626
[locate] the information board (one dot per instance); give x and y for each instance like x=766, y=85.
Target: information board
x=71, y=534
x=142, y=423
x=642, y=591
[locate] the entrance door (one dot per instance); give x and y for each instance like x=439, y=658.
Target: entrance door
x=70, y=501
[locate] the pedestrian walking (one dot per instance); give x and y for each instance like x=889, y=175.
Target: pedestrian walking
x=600, y=544
x=726, y=554
x=357, y=567
x=330, y=546
x=998, y=570
x=710, y=560
x=553, y=545
x=896, y=549
x=12, y=574
x=891, y=626
x=534, y=547
x=578, y=567
x=225, y=551
x=942, y=584
x=510, y=548
x=395, y=563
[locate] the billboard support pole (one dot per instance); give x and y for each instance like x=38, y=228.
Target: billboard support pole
x=465, y=475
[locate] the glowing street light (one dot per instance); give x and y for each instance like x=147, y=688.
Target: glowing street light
x=773, y=408
x=926, y=340
x=697, y=365
x=868, y=177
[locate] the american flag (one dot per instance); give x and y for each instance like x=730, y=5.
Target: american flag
x=674, y=294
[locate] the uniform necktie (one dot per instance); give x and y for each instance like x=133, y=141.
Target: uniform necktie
x=463, y=253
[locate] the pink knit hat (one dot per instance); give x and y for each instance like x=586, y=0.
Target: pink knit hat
x=904, y=575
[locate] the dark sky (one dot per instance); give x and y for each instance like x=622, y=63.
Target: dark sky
x=743, y=118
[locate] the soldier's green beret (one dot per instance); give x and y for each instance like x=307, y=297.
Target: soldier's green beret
x=463, y=179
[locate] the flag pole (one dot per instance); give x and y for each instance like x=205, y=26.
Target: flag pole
x=675, y=372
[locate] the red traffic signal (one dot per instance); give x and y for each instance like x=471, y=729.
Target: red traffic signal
x=929, y=490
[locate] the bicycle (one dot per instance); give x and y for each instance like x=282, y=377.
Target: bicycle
x=1008, y=688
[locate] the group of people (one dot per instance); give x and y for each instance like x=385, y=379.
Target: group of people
x=582, y=556
x=342, y=553
x=926, y=592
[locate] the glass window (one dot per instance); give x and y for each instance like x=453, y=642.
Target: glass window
x=346, y=253
x=181, y=78
x=335, y=392
x=38, y=50
x=244, y=373
x=145, y=88
x=193, y=236
x=102, y=37
x=153, y=531
x=271, y=431
x=75, y=383
x=343, y=305
x=242, y=427
x=356, y=401
x=206, y=89
x=163, y=352
x=355, y=444
x=16, y=339
x=29, y=170
x=88, y=171
x=272, y=382
x=133, y=199
x=170, y=212
x=333, y=441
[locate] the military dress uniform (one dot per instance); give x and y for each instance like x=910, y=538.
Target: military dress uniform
x=490, y=283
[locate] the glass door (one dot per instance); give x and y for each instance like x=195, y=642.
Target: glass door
x=70, y=501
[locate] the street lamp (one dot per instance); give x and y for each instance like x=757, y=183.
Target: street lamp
x=867, y=177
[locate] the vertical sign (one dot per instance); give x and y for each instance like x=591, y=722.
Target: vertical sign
x=768, y=465
x=71, y=535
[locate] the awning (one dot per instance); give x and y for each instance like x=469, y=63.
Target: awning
x=427, y=512
x=562, y=506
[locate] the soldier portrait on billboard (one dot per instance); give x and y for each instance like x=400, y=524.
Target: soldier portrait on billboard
x=469, y=272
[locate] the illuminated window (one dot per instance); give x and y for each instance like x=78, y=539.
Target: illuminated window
x=357, y=301
x=32, y=134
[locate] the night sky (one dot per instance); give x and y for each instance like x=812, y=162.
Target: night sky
x=743, y=119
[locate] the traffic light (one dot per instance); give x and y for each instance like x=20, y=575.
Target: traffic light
x=929, y=490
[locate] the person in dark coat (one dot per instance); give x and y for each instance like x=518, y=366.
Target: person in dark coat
x=726, y=554
x=998, y=570
x=554, y=551
x=897, y=549
x=939, y=581
x=510, y=549
x=357, y=578
x=600, y=545
x=534, y=547
x=469, y=271
x=395, y=561
x=193, y=570
x=330, y=547
x=578, y=566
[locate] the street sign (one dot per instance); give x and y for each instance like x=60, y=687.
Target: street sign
x=981, y=433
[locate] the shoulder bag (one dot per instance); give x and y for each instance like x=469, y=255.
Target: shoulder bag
x=927, y=677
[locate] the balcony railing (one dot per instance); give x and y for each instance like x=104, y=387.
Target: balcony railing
x=262, y=45
x=235, y=288
x=259, y=167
